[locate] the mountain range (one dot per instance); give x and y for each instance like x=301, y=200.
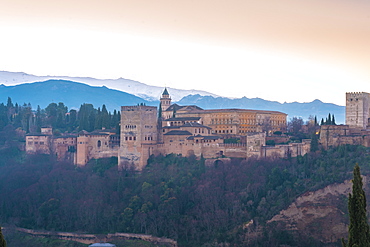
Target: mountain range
x=74, y=91
x=147, y=92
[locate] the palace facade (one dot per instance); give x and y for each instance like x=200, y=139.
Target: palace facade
x=171, y=128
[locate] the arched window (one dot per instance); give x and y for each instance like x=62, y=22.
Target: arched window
x=99, y=144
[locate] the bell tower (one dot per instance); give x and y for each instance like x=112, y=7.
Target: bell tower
x=165, y=100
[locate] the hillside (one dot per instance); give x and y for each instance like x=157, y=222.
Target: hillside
x=183, y=198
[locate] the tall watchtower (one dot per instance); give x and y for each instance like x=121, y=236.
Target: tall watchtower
x=138, y=135
x=165, y=100
x=358, y=110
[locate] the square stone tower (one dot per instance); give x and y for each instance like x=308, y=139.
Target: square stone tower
x=138, y=135
x=358, y=110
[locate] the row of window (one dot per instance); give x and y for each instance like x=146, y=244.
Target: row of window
x=36, y=143
x=245, y=121
x=130, y=138
x=223, y=131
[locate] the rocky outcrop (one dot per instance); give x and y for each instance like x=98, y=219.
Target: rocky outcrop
x=320, y=214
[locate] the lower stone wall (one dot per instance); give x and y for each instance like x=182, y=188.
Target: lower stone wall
x=96, y=238
x=336, y=135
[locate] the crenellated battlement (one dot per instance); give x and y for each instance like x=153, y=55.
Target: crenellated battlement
x=357, y=94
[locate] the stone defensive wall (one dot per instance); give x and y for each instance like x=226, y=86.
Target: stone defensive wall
x=336, y=135
x=236, y=150
x=286, y=150
x=96, y=238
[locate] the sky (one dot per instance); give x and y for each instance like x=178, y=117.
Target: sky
x=286, y=50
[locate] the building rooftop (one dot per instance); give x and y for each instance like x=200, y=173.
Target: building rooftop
x=195, y=125
x=235, y=110
x=182, y=119
x=178, y=132
x=203, y=137
x=165, y=92
x=176, y=107
x=37, y=134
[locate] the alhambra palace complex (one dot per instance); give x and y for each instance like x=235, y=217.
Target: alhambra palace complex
x=190, y=130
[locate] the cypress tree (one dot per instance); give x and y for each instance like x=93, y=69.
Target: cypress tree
x=358, y=230
x=105, y=117
x=314, y=143
x=2, y=240
x=160, y=110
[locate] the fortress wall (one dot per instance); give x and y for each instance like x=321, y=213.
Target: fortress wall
x=285, y=151
x=336, y=135
x=329, y=134
x=65, y=148
x=254, y=142
x=98, y=147
x=236, y=152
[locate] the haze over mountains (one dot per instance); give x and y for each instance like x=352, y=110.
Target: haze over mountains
x=151, y=93
x=74, y=91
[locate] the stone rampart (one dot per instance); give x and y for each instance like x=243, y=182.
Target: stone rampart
x=96, y=238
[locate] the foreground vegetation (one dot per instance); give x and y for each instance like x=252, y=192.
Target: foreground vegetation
x=174, y=197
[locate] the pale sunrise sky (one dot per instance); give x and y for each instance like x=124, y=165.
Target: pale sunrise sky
x=286, y=50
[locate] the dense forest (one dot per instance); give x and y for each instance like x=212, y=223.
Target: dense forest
x=175, y=197
x=58, y=117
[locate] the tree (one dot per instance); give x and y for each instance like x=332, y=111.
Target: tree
x=322, y=122
x=2, y=240
x=105, y=118
x=359, y=232
x=328, y=120
x=295, y=125
x=314, y=143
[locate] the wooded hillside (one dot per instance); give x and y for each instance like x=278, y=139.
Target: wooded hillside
x=175, y=197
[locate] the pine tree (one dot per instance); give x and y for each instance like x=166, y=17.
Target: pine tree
x=359, y=232
x=2, y=240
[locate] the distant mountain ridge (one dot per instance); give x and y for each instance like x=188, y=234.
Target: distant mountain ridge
x=73, y=94
x=295, y=109
x=147, y=92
